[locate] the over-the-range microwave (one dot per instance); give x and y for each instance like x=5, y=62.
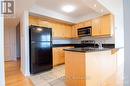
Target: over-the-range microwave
x=86, y=31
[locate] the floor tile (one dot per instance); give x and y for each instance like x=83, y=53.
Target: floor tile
x=54, y=77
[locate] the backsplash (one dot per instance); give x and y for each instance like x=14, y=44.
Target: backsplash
x=103, y=40
x=62, y=41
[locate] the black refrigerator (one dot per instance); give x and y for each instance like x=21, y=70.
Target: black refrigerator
x=40, y=49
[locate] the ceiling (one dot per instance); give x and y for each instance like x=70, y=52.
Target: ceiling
x=85, y=9
x=81, y=8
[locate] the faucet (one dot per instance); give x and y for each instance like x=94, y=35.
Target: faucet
x=100, y=45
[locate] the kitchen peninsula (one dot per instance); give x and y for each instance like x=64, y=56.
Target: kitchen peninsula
x=90, y=67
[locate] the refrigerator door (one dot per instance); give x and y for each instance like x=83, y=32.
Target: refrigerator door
x=41, y=56
x=40, y=33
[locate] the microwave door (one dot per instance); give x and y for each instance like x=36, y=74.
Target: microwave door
x=84, y=32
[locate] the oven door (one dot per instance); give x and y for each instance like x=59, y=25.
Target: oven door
x=87, y=31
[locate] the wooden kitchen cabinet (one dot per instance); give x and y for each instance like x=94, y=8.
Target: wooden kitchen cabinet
x=106, y=25
x=74, y=31
x=84, y=24
x=33, y=21
x=81, y=25
x=59, y=55
x=88, y=23
x=78, y=26
x=62, y=31
x=97, y=68
x=67, y=31
x=59, y=30
x=102, y=26
x=96, y=27
x=44, y=23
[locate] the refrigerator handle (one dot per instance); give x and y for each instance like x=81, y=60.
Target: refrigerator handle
x=33, y=42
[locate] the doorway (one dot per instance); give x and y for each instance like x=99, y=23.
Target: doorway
x=13, y=74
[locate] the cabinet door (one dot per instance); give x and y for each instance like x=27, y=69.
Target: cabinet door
x=43, y=23
x=55, y=56
x=67, y=31
x=63, y=31
x=106, y=23
x=61, y=55
x=88, y=23
x=56, y=30
x=96, y=25
x=81, y=25
x=53, y=29
x=33, y=21
x=58, y=56
x=74, y=31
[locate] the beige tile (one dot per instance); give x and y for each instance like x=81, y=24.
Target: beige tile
x=58, y=82
x=50, y=78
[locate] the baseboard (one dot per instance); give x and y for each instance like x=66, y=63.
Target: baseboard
x=25, y=74
x=11, y=59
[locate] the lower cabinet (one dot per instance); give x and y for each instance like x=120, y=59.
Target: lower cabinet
x=97, y=68
x=103, y=26
x=59, y=55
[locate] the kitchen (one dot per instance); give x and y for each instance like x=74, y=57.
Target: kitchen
x=76, y=38
x=69, y=33
x=63, y=35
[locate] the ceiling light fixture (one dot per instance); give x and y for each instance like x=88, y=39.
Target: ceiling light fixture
x=68, y=8
x=95, y=5
x=102, y=10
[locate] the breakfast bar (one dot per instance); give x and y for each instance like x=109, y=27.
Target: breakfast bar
x=90, y=66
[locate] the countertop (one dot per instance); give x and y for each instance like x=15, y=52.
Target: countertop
x=64, y=45
x=84, y=50
x=84, y=45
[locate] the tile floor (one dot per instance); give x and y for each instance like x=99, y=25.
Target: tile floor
x=54, y=77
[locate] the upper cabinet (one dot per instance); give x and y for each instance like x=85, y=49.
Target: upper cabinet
x=33, y=21
x=107, y=25
x=88, y=23
x=80, y=25
x=96, y=27
x=67, y=31
x=59, y=30
x=102, y=26
x=62, y=30
x=74, y=31
x=84, y=24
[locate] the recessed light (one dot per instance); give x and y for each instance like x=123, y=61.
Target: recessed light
x=102, y=10
x=68, y=8
x=39, y=29
x=95, y=5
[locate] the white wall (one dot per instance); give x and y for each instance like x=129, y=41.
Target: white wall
x=127, y=42
x=9, y=43
x=24, y=34
x=2, y=77
x=116, y=7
